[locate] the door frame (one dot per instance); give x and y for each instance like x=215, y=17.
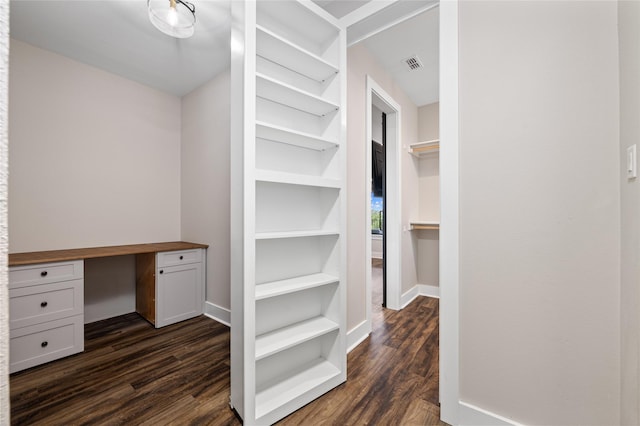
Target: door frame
x=393, y=232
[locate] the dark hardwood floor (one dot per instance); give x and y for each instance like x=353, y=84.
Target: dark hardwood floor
x=133, y=374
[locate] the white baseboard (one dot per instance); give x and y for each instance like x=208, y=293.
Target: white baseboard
x=470, y=415
x=408, y=297
x=419, y=290
x=428, y=290
x=357, y=335
x=218, y=313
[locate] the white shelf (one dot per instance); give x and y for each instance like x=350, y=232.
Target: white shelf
x=417, y=225
x=279, y=340
x=281, y=51
x=298, y=22
x=423, y=148
x=292, y=285
x=296, y=179
x=301, y=380
x=285, y=94
x=294, y=234
x=293, y=137
x=289, y=78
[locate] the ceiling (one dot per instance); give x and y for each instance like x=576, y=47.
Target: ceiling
x=116, y=35
x=417, y=36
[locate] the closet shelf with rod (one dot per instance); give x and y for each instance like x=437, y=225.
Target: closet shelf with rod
x=419, y=149
x=418, y=225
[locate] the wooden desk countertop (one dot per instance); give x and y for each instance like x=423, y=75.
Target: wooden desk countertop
x=31, y=258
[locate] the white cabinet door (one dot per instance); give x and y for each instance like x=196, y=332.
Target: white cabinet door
x=180, y=293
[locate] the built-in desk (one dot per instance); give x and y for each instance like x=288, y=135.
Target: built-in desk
x=17, y=259
x=46, y=294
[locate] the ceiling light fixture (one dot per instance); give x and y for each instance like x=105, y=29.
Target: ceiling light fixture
x=176, y=18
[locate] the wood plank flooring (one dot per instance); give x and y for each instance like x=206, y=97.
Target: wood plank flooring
x=133, y=374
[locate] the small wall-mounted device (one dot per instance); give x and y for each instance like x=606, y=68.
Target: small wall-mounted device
x=632, y=163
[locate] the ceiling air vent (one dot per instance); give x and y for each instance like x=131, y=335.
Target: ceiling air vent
x=413, y=63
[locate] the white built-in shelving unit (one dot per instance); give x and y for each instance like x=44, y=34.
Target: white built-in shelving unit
x=288, y=313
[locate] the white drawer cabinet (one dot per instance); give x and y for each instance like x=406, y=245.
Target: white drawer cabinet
x=48, y=341
x=180, y=257
x=42, y=273
x=46, y=311
x=46, y=302
x=170, y=286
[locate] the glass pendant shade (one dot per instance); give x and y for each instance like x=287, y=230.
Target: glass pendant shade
x=173, y=17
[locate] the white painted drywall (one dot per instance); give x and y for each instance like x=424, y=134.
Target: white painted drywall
x=94, y=161
x=111, y=289
x=428, y=166
x=95, y=158
x=629, y=36
x=540, y=211
x=360, y=63
x=429, y=122
x=205, y=180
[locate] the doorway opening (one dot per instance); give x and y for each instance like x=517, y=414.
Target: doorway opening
x=383, y=218
x=378, y=206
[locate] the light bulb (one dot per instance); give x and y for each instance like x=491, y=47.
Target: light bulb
x=172, y=16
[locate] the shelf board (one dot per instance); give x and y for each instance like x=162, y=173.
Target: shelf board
x=292, y=285
x=305, y=378
x=287, y=136
x=285, y=94
x=424, y=225
x=283, y=52
x=422, y=148
x=287, y=337
x=296, y=179
x=294, y=234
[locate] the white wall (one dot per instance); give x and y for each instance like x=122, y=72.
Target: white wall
x=539, y=211
x=205, y=180
x=360, y=63
x=429, y=122
x=428, y=166
x=94, y=161
x=629, y=34
x=95, y=158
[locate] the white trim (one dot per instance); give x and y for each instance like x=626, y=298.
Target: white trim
x=393, y=233
x=218, y=313
x=475, y=416
x=408, y=297
x=419, y=290
x=364, y=11
x=428, y=290
x=393, y=22
x=357, y=335
x=449, y=214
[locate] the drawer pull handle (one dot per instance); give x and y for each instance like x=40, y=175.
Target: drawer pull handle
x=44, y=344
x=162, y=271
x=43, y=273
x=44, y=304
x=181, y=257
